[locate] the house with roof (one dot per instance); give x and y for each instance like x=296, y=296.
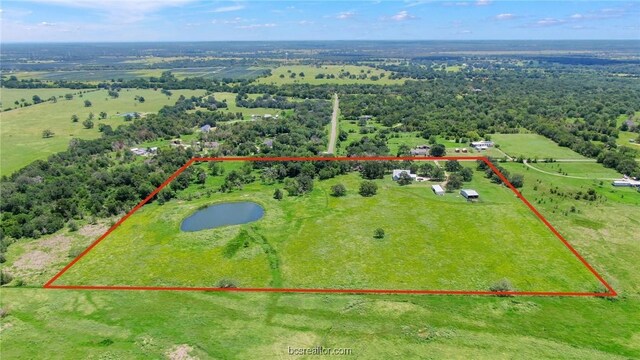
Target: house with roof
x=205, y=128
x=396, y=174
x=268, y=143
x=419, y=152
x=482, y=145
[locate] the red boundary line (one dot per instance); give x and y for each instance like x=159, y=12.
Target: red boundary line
x=610, y=291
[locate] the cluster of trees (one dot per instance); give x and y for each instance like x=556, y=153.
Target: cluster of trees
x=264, y=101
x=458, y=174
x=517, y=180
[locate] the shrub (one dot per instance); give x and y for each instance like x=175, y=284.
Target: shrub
x=73, y=226
x=502, y=285
x=378, y=233
x=338, y=190
x=5, y=277
x=227, y=284
x=368, y=188
x=278, y=195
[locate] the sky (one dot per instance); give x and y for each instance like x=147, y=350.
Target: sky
x=198, y=20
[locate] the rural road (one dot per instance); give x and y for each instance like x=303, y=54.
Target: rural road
x=334, y=125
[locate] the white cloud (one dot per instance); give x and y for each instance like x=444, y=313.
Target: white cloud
x=505, y=16
x=117, y=5
x=44, y=23
x=345, y=15
x=402, y=16
x=483, y=2
x=230, y=8
x=235, y=20
x=118, y=11
x=577, y=16
x=256, y=26
x=549, y=22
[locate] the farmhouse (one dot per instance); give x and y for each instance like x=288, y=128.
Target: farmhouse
x=268, y=143
x=419, y=152
x=482, y=145
x=206, y=128
x=437, y=189
x=469, y=194
x=211, y=144
x=396, y=174
x=144, y=152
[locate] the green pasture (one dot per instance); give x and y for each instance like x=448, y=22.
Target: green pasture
x=532, y=146
x=321, y=241
x=246, y=112
x=21, y=140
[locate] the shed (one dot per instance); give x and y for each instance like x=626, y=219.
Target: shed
x=437, y=189
x=206, y=128
x=469, y=194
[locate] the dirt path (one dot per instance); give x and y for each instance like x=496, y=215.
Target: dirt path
x=566, y=176
x=334, y=125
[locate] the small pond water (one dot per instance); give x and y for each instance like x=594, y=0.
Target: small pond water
x=223, y=214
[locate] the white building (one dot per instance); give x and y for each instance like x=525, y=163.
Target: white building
x=626, y=182
x=469, y=194
x=396, y=174
x=437, y=189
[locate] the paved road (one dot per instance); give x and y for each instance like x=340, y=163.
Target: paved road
x=334, y=125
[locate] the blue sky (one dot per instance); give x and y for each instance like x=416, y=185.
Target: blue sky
x=193, y=20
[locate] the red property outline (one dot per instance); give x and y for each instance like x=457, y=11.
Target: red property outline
x=610, y=291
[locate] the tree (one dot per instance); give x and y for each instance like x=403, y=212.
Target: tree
x=88, y=124
x=373, y=170
x=74, y=118
x=378, y=233
x=47, y=133
x=517, y=180
x=68, y=96
x=87, y=103
x=452, y=166
x=467, y=174
x=454, y=182
x=278, y=195
x=36, y=99
x=368, y=188
x=215, y=168
x=437, y=174
x=438, y=150
x=140, y=99
x=404, y=179
x=91, y=116
x=103, y=115
x=338, y=190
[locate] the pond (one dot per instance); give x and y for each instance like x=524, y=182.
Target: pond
x=223, y=214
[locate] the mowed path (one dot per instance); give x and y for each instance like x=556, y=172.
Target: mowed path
x=334, y=125
x=562, y=175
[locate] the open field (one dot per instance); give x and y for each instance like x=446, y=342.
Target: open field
x=579, y=169
x=310, y=73
x=532, y=146
x=92, y=324
x=21, y=129
x=430, y=240
x=246, y=112
x=209, y=72
x=8, y=97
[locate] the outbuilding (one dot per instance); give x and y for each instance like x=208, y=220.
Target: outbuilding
x=469, y=194
x=396, y=174
x=437, y=189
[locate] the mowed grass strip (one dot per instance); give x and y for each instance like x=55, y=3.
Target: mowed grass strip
x=21, y=140
x=533, y=146
x=431, y=242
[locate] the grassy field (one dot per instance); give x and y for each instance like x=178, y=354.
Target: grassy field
x=151, y=324
x=21, y=129
x=8, y=97
x=217, y=72
x=429, y=240
x=246, y=112
x=533, y=145
x=586, y=170
x=310, y=73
